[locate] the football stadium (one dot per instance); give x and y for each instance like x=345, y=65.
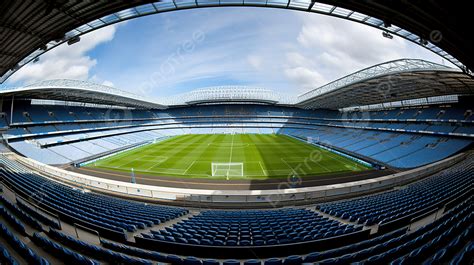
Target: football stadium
x=375, y=166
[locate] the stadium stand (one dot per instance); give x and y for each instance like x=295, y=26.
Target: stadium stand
x=30, y=256
x=106, y=214
x=65, y=254
x=94, y=251
x=295, y=230
x=420, y=197
x=232, y=228
x=420, y=130
x=394, y=137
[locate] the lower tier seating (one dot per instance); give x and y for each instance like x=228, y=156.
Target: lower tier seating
x=97, y=211
x=246, y=228
x=288, y=234
x=421, y=196
x=30, y=256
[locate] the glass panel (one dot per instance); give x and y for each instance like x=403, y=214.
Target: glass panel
x=84, y=28
x=256, y=2
x=208, y=2
x=412, y=37
x=358, y=16
x=393, y=28
x=341, y=11
x=73, y=32
x=110, y=18
x=374, y=21
x=300, y=4
x=96, y=23
x=127, y=13
x=145, y=9
x=185, y=3
x=231, y=2
x=278, y=2
x=165, y=5
x=322, y=7
x=404, y=32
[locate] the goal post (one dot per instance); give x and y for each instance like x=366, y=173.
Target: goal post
x=227, y=169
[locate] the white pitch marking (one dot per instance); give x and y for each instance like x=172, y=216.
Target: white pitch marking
x=282, y=159
x=184, y=173
x=325, y=168
x=160, y=159
x=230, y=156
x=263, y=170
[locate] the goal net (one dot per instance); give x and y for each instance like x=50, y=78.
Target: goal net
x=227, y=169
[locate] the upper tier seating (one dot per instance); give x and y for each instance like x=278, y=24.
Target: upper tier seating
x=25, y=113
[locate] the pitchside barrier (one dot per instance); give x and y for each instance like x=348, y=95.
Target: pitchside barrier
x=229, y=198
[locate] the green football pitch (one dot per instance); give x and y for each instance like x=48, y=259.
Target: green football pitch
x=258, y=156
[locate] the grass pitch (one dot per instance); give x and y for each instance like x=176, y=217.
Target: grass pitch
x=263, y=156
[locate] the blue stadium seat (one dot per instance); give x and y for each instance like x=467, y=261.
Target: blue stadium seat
x=192, y=261
x=273, y=261
x=252, y=262
x=210, y=262
x=231, y=262
x=293, y=260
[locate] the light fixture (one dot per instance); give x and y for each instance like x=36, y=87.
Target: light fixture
x=387, y=35
x=73, y=40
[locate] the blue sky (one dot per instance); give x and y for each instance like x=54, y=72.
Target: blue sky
x=175, y=52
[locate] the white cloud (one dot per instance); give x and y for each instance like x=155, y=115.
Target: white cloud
x=302, y=72
x=306, y=77
x=348, y=46
x=108, y=83
x=255, y=61
x=301, y=51
x=66, y=61
x=328, y=48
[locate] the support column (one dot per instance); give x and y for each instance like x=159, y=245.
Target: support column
x=11, y=110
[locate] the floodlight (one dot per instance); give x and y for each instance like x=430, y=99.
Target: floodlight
x=73, y=40
x=387, y=35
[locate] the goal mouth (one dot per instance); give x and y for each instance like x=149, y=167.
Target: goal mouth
x=227, y=169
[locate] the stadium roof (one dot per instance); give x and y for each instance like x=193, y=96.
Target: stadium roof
x=397, y=80
x=391, y=81
x=30, y=27
x=239, y=94
x=80, y=91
